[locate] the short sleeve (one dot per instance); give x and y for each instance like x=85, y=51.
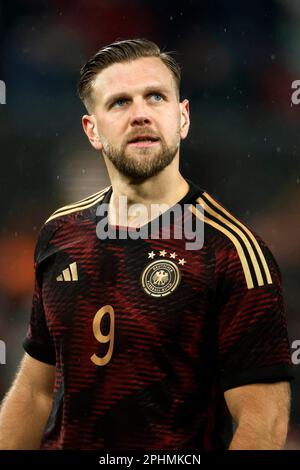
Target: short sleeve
x=253, y=344
x=38, y=342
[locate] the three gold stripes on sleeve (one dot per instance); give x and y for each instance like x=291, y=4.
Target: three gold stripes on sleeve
x=79, y=205
x=245, y=235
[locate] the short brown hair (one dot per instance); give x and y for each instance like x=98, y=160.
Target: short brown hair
x=122, y=51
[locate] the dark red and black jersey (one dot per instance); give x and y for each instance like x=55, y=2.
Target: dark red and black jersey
x=146, y=335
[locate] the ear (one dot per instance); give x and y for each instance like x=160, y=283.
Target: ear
x=90, y=128
x=184, y=118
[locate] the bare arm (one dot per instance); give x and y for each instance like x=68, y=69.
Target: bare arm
x=261, y=412
x=26, y=407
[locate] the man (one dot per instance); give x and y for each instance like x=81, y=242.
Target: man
x=139, y=342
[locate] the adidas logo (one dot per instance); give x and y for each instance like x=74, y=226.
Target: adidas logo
x=69, y=274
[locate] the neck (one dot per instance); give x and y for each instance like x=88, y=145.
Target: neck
x=166, y=188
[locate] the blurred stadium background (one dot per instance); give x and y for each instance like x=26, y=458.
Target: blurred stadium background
x=239, y=60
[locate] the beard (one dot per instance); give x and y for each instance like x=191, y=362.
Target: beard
x=141, y=163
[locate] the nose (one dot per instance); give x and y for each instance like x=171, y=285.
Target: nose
x=140, y=115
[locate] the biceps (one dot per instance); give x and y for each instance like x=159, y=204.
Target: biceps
x=36, y=375
x=262, y=401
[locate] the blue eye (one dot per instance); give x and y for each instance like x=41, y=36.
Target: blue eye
x=156, y=95
x=119, y=103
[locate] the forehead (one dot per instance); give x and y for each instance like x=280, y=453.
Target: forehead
x=130, y=77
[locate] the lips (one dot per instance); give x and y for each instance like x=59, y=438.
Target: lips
x=143, y=138
x=143, y=143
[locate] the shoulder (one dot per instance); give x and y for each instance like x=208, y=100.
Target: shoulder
x=66, y=217
x=78, y=206
x=235, y=245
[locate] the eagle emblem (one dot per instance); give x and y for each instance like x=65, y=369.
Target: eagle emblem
x=160, y=278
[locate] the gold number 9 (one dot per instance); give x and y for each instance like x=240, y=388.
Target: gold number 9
x=102, y=361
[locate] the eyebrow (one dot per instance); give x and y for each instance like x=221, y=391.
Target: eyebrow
x=148, y=90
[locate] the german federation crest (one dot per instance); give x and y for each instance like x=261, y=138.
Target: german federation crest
x=160, y=278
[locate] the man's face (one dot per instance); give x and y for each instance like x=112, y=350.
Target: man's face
x=137, y=116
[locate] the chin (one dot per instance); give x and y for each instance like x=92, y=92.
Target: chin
x=142, y=156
